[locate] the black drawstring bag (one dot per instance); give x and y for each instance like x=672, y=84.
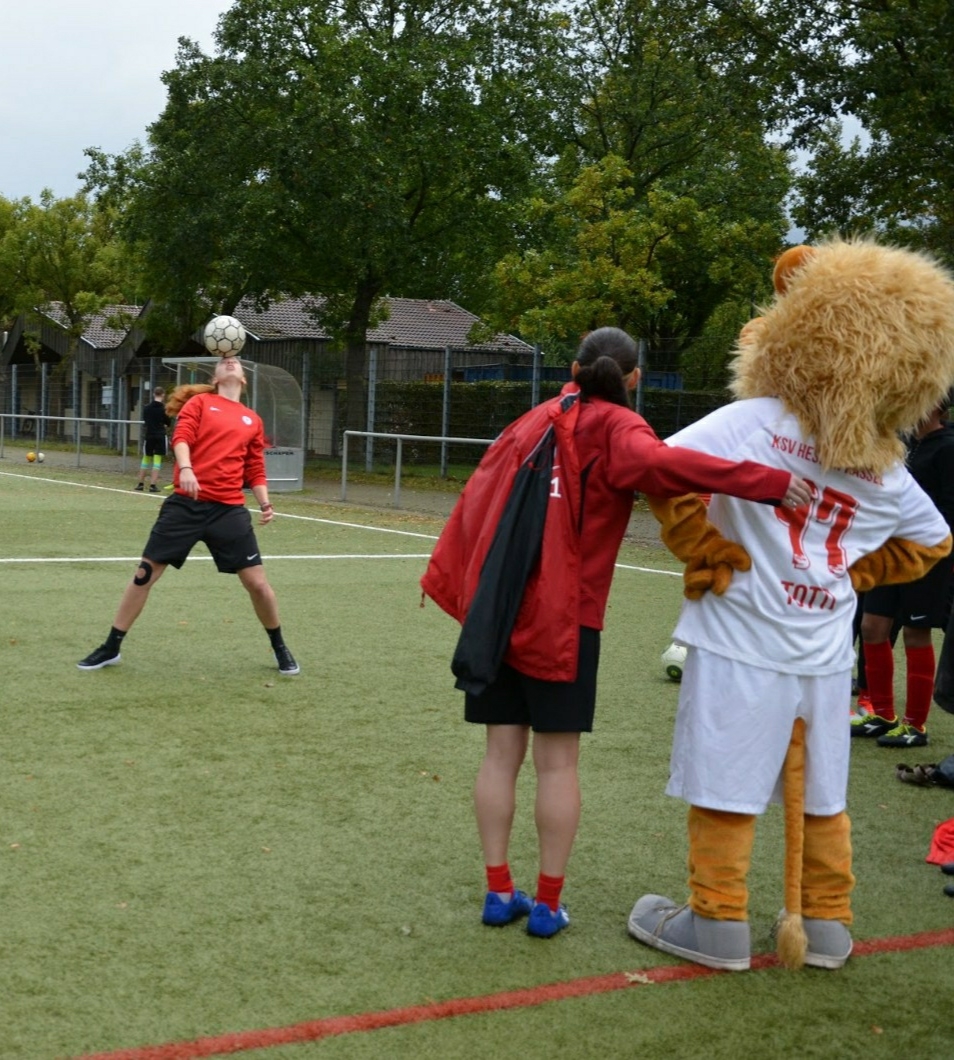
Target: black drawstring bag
x=511, y=558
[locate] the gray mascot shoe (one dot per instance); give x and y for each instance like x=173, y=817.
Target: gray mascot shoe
x=829, y=943
x=676, y=929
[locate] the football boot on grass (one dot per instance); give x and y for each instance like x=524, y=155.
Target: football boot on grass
x=871, y=725
x=543, y=923
x=498, y=912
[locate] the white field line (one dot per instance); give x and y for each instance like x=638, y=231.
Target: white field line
x=192, y=558
x=279, y=515
x=649, y=570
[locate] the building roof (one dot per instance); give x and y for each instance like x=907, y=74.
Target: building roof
x=413, y=322
x=100, y=331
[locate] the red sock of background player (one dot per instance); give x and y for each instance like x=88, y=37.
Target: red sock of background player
x=879, y=671
x=920, y=684
x=548, y=890
x=499, y=879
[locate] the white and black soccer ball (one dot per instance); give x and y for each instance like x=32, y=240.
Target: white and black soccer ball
x=40, y=457
x=224, y=336
x=674, y=658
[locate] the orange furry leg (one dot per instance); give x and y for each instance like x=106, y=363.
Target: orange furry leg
x=827, y=879
x=720, y=852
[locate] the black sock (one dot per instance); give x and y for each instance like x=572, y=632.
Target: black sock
x=275, y=636
x=115, y=638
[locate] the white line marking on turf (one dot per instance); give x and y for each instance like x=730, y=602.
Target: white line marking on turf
x=81, y=485
x=208, y=559
x=649, y=570
x=280, y=515
x=273, y=559
x=356, y=526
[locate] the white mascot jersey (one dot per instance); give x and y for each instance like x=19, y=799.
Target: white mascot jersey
x=791, y=612
x=777, y=644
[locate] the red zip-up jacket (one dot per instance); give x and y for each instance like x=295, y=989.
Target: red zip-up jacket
x=605, y=453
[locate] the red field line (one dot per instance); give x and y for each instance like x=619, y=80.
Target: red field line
x=315, y=1030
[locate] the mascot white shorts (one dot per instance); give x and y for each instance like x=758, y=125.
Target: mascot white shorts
x=733, y=728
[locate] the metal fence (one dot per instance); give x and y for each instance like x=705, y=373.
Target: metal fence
x=428, y=396
x=94, y=436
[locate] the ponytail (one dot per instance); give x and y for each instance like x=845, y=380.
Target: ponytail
x=181, y=395
x=603, y=379
x=604, y=358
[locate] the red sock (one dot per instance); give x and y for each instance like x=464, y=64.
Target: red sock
x=879, y=672
x=548, y=890
x=920, y=665
x=499, y=878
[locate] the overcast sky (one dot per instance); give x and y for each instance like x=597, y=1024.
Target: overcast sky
x=85, y=73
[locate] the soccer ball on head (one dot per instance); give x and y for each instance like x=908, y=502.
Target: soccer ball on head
x=224, y=336
x=673, y=659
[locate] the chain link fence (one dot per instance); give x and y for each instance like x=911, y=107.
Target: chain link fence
x=426, y=393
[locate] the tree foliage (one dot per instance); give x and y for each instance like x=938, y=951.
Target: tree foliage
x=552, y=166
x=63, y=251
x=886, y=63
x=667, y=199
x=353, y=148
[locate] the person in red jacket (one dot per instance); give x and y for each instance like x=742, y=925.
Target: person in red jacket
x=546, y=681
x=219, y=447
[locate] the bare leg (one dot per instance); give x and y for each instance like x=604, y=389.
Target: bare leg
x=495, y=791
x=557, y=810
x=262, y=594
x=136, y=593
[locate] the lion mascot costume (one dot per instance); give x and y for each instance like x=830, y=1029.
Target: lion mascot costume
x=856, y=348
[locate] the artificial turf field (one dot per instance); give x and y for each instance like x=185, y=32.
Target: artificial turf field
x=200, y=858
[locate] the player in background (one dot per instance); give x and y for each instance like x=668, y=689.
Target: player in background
x=218, y=444
x=547, y=682
x=155, y=421
x=918, y=606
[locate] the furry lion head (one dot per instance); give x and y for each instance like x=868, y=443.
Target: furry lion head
x=858, y=345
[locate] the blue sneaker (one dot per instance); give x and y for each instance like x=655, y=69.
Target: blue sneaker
x=497, y=912
x=544, y=923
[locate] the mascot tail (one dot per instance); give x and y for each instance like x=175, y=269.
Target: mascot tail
x=792, y=941
x=181, y=395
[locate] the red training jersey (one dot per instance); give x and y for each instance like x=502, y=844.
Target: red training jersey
x=226, y=442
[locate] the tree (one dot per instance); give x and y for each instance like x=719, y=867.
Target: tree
x=667, y=200
x=8, y=272
x=353, y=148
x=660, y=84
x=658, y=266
x=885, y=63
x=62, y=251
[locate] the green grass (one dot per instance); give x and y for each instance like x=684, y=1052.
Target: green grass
x=420, y=476
x=191, y=846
